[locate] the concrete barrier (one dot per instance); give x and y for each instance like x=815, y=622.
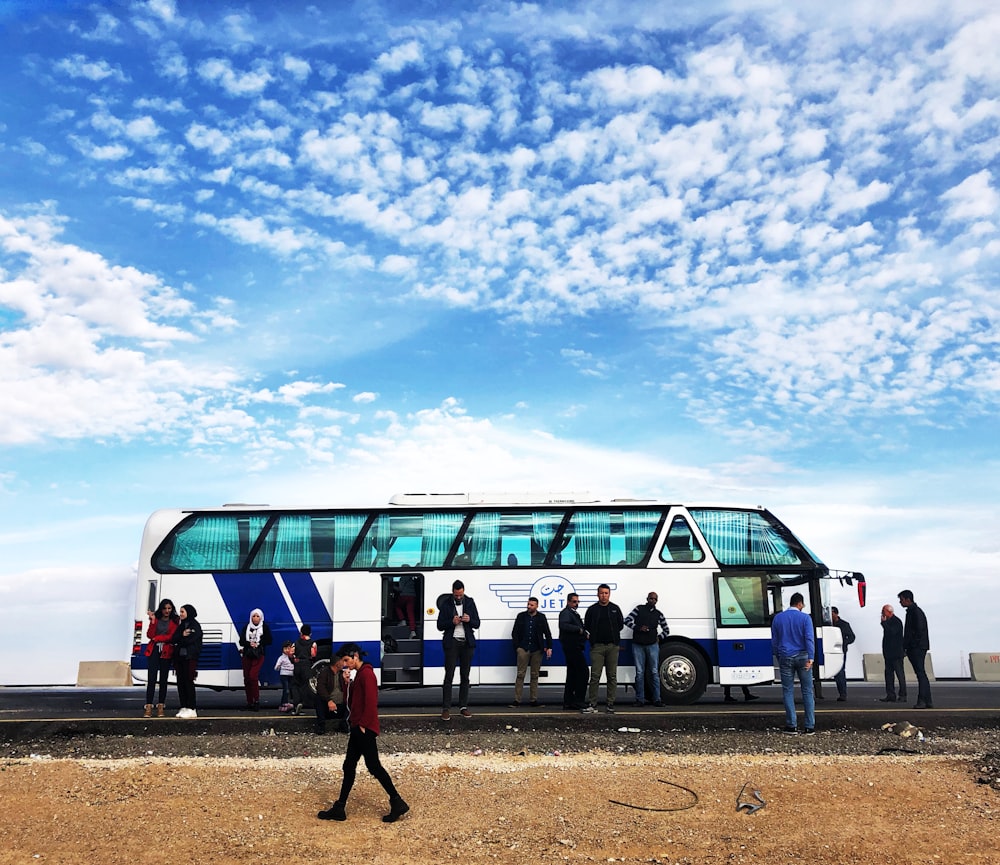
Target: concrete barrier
x=984, y=666
x=104, y=674
x=874, y=669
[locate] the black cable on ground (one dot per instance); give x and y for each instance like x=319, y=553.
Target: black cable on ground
x=662, y=810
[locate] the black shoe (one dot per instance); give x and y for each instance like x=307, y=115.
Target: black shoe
x=515, y=705
x=902, y=695
x=791, y=731
x=255, y=707
x=397, y=808
x=536, y=705
x=750, y=697
x=658, y=704
x=920, y=704
x=841, y=699
x=569, y=707
x=729, y=698
x=334, y=812
x=809, y=731
x=639, y=703
x=887, y=699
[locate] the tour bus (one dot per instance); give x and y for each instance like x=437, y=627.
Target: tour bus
x=720, y=572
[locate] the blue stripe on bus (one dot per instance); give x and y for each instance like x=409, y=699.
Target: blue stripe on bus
x=308, y=603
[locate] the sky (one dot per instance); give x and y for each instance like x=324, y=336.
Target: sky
x=716, y=251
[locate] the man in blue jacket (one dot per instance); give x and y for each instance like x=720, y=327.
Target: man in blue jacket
x=793, y=641
x=457, y=620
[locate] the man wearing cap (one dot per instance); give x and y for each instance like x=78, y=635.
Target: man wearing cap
x=646, y=623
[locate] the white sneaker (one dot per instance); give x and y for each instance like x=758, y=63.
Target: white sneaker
x=181, y=714
x=191, y=713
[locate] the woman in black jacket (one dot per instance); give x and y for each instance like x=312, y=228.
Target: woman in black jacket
x=187, y=647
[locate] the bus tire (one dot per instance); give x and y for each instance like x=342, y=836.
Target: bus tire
x=314, y=672
x=683, y=673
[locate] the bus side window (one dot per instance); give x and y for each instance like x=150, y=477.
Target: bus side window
x=680, y=545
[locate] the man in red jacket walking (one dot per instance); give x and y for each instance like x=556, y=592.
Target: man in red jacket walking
x=361, y=696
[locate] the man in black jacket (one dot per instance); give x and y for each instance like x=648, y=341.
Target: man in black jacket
x=532, y=637
x=846, y=638
x=457, y=620
x=604, y=622
x=916, y=645
x=572, y=636
x=892, y=654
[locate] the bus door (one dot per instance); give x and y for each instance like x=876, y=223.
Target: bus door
x=402, y=647
x=743, y=629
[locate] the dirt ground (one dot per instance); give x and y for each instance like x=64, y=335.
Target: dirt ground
x=504, y=806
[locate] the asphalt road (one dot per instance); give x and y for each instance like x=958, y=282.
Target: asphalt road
x=957, y=703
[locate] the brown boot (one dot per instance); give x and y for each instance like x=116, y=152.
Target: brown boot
x=147, y=710
x=159, y=710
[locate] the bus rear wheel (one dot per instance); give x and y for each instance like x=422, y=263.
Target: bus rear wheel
x=683, y=673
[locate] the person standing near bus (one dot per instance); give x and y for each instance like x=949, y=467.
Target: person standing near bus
x=406, y=603
x=604, y=622
x=159, y=651
x=892, y=655
x=187, y=647
x=457, y=619
x=916, y=645
x=254, y=640
x=572, y=636
x=361, y=689
x=532, y=637
x=793, y=641
x=647, y=623
x=303, y=657
x=847, y=637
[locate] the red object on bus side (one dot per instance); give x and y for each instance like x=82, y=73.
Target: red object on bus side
x=862, y=588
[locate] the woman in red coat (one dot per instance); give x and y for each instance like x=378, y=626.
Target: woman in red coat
x=159, y=651
x=361, y=695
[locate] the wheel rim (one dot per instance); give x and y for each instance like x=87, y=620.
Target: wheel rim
x=677, y=674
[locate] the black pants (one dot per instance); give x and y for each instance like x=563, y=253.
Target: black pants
x=323, y=714
x=364, y=745
x=577, y=674
x=459, y=654
x=894, y=673
x=186, y=671
x=157, y=671
x=917, y=659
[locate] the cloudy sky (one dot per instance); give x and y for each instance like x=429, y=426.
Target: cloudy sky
x=736, y=252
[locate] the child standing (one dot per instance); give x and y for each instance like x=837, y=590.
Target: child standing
x=286, y=669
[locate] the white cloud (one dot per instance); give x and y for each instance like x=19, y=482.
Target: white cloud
x=220, y=71
x=973, y=198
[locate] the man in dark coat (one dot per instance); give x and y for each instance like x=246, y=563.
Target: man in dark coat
x=892, y=653
x=916, y=645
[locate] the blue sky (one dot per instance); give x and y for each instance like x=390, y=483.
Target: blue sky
x=728, y=252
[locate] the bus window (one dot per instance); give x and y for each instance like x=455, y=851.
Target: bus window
x=744, y=538
x=497, y=539
x=307, y=541
x=680, y=545
x=408, y=540
x=598, y=537
x=209, y=542
x=742, y=601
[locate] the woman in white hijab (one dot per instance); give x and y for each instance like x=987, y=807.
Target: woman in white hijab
x=254, y=640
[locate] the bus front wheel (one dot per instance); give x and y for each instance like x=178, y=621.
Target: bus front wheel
x=683, y=673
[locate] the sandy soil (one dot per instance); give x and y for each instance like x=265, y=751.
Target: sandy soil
x=503, y=807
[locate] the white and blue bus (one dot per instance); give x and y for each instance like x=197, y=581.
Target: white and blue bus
x=720, y=572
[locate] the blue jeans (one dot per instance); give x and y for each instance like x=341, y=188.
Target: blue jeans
x=790, y=666
x=646, y=656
